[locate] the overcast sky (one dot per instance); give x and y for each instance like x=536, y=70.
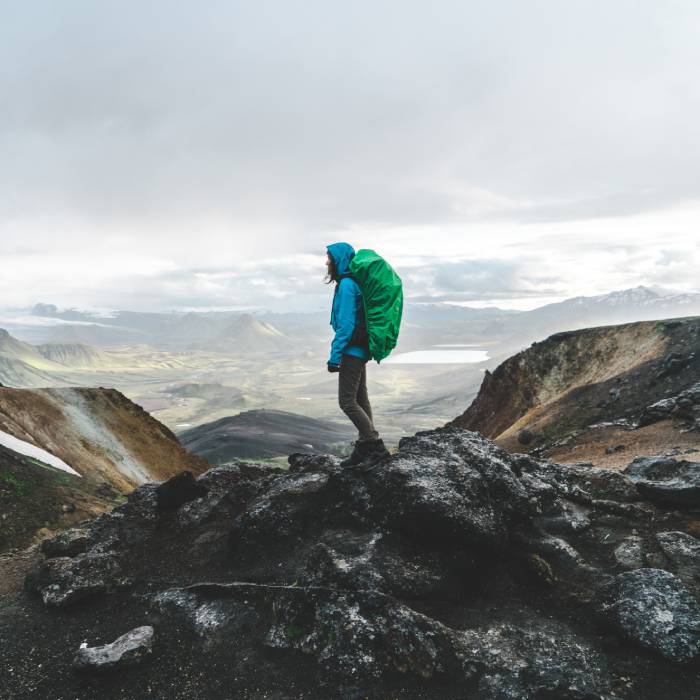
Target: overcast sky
x=163, y=154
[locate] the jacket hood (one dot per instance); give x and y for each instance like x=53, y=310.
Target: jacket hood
x=342, y=254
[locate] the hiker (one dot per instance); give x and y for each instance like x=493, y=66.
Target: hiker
x=350, y=354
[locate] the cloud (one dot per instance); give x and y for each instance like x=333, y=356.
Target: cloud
x=145, y=147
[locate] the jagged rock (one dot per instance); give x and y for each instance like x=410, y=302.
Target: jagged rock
x=629, y=554
x=128, y=524
x=683, y=552
x=652, y=608
x=211, y=609
x=127, y=650
x=67, y=544
x=359, y=637
x=452, y=570
x=684, y=406
x=657, y=411
x=63, y=581
x=142, y=502
x=178, y=490
x=227, y=485
x=554, y=548
x=582, y=483
x=571, y=517
x=285, y=507
x=351, y=561
x=666, y=480
x=546, y=660
x=673, y=363
x=452, y=484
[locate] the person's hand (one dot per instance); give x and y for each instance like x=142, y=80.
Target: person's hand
x=333, y=368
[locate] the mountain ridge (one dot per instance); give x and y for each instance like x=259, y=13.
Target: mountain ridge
x=576, y=379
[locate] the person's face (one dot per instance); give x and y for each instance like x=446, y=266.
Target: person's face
x=328, y=263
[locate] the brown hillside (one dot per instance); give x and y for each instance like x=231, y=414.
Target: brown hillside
x=570, y=381
x=99, y=432
x=110, y=441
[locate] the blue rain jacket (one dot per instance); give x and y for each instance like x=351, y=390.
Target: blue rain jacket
x=347, y=303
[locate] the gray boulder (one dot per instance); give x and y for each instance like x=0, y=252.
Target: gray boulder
x=666, y=480
x=127, y=650
x=451, y=483
x=683, y=553
x=652, y=608
x=685, y=406
x=63, y=581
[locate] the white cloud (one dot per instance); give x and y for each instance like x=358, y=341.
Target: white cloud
x=169, y=155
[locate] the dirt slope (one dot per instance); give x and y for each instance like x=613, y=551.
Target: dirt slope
x=110, y=441
x=557, y=388
x=99, y=432
x=37, y=500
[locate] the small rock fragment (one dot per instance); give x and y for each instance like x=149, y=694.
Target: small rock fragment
x=629, y=553
x=126, y=650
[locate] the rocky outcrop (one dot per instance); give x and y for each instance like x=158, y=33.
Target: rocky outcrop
x=451, y=570
x=664, y=479
x=685, y=407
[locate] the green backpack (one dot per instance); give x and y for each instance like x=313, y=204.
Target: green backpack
x=382, y=294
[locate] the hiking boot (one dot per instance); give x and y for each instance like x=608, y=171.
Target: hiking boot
x=357, y=454
x=376, y=452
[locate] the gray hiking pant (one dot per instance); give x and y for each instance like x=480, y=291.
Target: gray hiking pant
x=352, y=395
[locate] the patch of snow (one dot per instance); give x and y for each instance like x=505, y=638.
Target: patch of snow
x=29, y=450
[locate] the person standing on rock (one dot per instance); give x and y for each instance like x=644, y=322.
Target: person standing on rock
x=349, y=356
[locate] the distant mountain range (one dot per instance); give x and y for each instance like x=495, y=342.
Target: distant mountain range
x=247, y=334
x=424, y=324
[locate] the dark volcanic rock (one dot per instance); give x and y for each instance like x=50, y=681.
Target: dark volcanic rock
x=67, y=544
x=544, y=660
x=358, y=637
x=652, y=608
x=684, y=406
x=64, y=581
x=683, y=553
x=451, y=484
x=178, y=490
x=666, y=480
x=629, y=554
x=127, y=650
x=451, y=570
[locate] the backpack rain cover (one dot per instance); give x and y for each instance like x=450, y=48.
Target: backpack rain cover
x=382, y=293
